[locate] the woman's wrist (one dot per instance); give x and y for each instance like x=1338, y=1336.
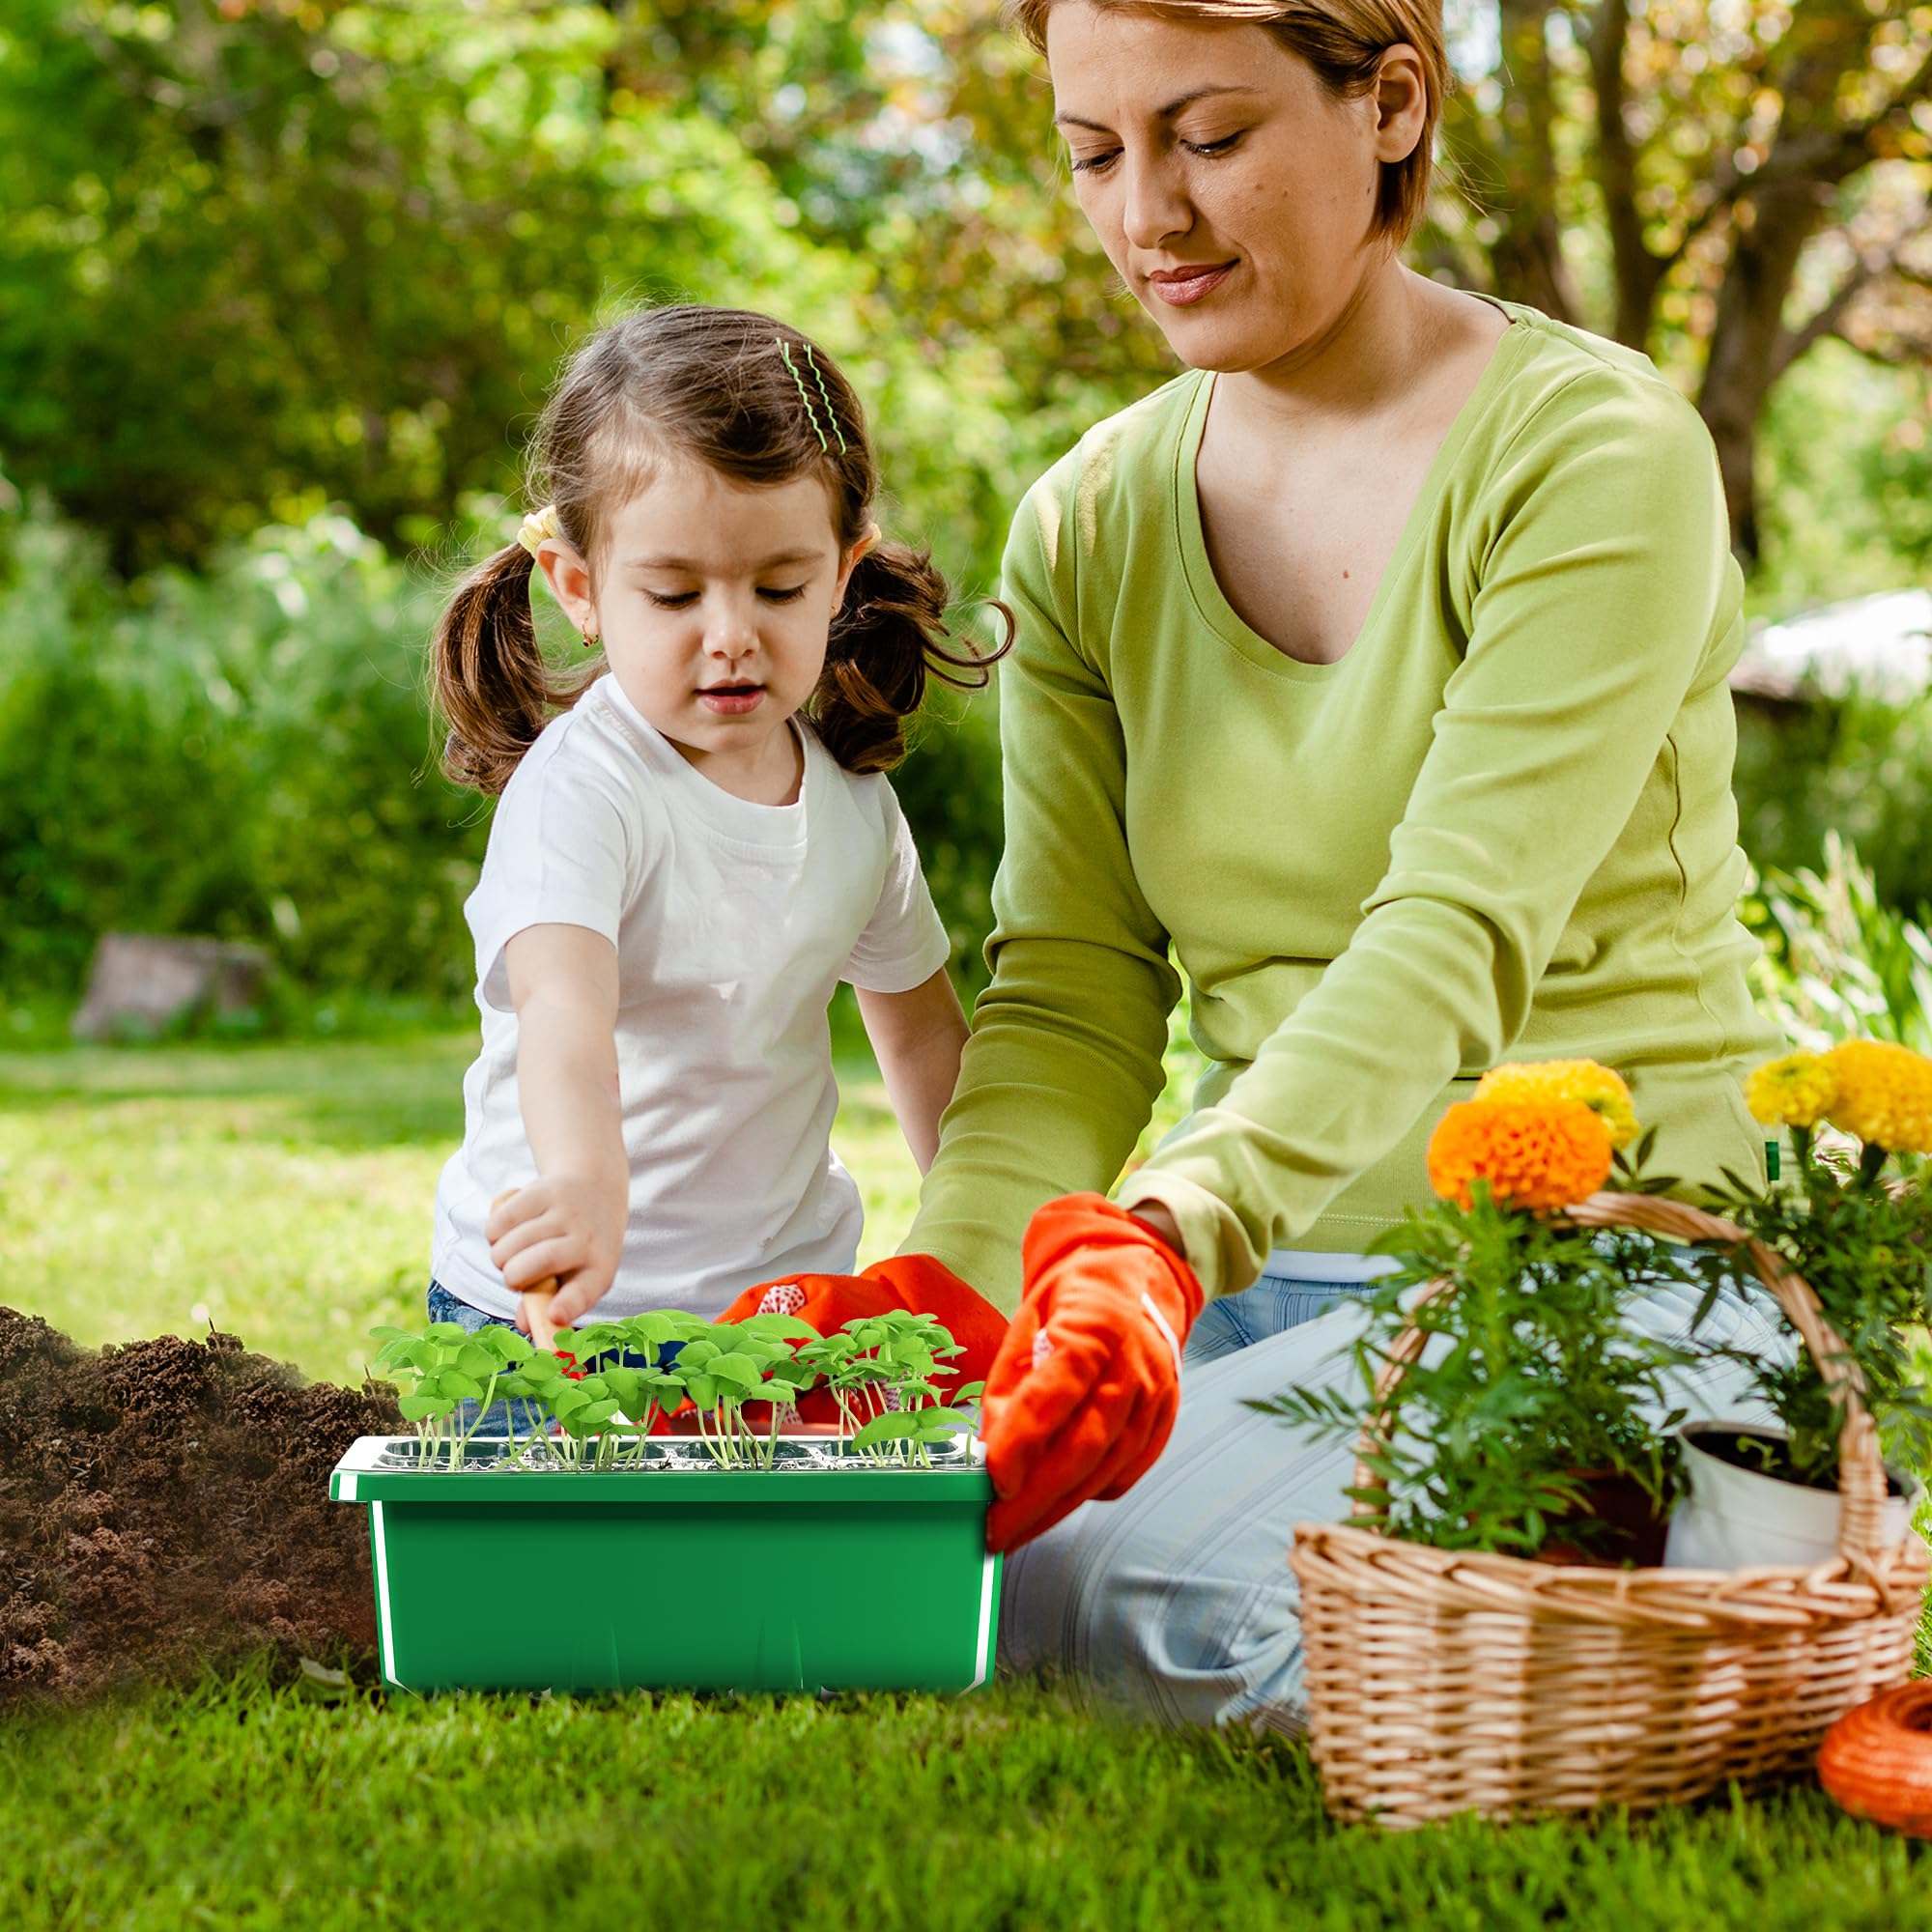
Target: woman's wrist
x=1158, y=1222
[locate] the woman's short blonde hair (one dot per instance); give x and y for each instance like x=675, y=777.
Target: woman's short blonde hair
x=1343, y=41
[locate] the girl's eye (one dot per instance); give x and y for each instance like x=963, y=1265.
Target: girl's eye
x=776, y=596
x=1219, y=147
x=676, y=600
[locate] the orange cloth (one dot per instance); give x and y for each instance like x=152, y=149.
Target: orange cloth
x=1083, y=1395
x=915, y=1282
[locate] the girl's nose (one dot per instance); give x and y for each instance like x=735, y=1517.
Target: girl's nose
x=731, y=632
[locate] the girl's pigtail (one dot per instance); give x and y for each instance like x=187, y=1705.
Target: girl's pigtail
x=492, y=684
x=882, y=646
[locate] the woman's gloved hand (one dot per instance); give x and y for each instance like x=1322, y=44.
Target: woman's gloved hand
x=915, y=1282
x=1083, y=1392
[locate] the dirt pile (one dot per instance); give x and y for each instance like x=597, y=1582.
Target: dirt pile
x=167, y=1501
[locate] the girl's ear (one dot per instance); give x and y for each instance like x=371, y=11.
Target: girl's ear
x=569, y=578
x=871, y=539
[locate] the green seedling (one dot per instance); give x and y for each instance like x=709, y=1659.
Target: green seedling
x=907, y=1438
x=443, y=1365
x=884, y=1372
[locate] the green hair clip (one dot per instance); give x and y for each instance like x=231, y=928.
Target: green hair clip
x=804, y=396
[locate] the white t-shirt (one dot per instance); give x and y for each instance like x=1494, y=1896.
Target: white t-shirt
x=734, y=924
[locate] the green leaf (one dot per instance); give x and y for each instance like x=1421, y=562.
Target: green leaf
x=887, y=1429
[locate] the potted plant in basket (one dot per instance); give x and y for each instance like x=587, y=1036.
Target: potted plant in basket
x=702, y=1543
x=1443, y=1671
x=1853, y=1219
x=1514, y=1406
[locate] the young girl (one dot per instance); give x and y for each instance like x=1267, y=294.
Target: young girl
x=685, y=862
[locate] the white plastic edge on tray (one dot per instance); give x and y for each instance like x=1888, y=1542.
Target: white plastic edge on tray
x=364, y=1456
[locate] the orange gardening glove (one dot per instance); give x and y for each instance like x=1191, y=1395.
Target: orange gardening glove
x=915, y=1282
x=1083, y=1395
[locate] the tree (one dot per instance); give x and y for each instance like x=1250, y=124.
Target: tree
x=1759, y=173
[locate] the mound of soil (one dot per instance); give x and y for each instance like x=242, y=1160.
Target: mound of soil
x=168, y=1501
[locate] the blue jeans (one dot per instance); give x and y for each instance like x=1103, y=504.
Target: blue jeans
x=443, y=1306
x=1274, y=1304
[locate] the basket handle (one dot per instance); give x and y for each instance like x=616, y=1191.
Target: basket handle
x=1861, y=1481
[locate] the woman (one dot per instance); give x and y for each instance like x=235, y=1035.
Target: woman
x=1379, y=665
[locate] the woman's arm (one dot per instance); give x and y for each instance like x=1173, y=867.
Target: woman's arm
x=1064, y=1063
x=1604, y=595
x=570, y=1221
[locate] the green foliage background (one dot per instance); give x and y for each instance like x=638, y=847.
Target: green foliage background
x=283, y=281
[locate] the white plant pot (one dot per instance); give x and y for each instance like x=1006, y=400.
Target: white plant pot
x=1740, y=1520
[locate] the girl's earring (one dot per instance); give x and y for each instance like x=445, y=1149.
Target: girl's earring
x=592, y=644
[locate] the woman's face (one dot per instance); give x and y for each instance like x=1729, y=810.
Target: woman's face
x=1233, y=193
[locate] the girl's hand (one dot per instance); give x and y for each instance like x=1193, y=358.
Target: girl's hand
x=564, y=1224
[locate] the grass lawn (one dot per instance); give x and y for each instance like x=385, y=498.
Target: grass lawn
x=284, y=1192
x=237, y=1805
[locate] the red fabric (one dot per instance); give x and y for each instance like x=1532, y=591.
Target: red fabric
x=915, y=1282
x=1083, y=1392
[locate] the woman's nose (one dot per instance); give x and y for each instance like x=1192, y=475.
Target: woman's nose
x=1155, y=209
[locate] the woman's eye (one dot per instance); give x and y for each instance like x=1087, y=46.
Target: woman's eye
x=1092, y=164
x=672, y=600
x=1219, y=147
x=776, y=596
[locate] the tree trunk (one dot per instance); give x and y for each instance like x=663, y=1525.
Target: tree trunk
x=1771, y=231
x=1527, y=257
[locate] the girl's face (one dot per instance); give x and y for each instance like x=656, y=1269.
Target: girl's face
x=1235, y=196
x=714, y=600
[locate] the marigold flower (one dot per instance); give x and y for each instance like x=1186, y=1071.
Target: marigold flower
x=1540, y=1154
x=1793, y=1092
x=1882, y=1095
x=1599, y=1089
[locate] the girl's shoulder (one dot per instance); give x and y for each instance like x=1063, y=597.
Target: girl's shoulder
x=868, y=794
x=584, y=761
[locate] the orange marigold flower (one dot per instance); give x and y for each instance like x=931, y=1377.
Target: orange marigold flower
x=1599, y=1089
x=1792, y=1091
x=1883, y=1095
x=1539, y=1155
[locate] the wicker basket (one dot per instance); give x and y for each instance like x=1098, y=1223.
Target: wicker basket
x=1446, y=1681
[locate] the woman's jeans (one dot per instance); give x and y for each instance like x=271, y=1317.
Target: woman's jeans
x=1177, y=1599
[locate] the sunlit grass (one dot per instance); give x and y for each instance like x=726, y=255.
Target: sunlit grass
x=281, y=1192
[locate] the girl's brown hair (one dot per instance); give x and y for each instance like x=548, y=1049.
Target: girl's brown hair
x=1343, y=42
x=711, y=385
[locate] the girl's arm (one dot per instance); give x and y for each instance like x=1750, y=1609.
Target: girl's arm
x=570, y=1221
x=918, y=1037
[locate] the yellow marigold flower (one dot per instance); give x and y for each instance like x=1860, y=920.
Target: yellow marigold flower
x=1540, y=1155
x=1883, y=1095
x=1793, y=1092
x=1597, y=1087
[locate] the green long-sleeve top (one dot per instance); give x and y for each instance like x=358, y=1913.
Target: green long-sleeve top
x=1499, y=827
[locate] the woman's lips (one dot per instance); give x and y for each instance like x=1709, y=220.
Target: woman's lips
x=1177, y=291
x=732, y=700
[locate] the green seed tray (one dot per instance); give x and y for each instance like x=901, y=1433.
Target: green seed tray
x=568, y=1579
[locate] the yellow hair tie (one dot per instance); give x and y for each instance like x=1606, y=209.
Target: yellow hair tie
x=539, y=525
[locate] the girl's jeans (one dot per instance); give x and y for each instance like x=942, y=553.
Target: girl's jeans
x=443, y=1306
